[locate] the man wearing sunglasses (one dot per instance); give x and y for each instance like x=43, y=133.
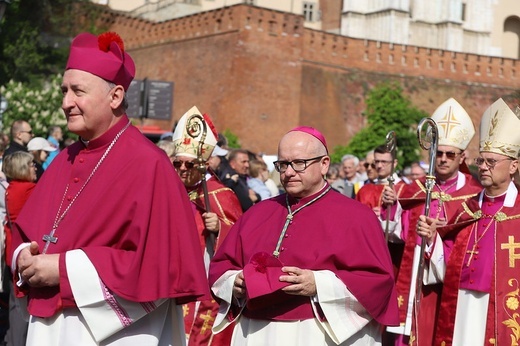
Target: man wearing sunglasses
x=213, y=222
x=21, y=134
x=452, y=187
x=481, y=276
x=308, y=267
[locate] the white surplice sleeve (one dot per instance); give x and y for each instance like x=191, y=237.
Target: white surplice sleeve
x=223, y=288
x=104, y=313
x=435, y=269
x=345, y=316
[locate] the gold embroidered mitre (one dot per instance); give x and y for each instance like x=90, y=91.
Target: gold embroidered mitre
x=454, y=124
x=194, y=135
x=499, y=130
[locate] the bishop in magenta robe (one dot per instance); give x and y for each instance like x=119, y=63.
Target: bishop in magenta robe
x=337, y=238
x=128, y=249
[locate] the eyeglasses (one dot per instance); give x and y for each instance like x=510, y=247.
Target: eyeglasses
x=366, y=164
x=298, y=165
x=29, y=132
x=449, y=154
x=187, y=164
x=383, y=162
x=490, y=163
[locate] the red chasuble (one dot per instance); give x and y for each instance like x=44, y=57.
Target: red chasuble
x=413, y=199
x=334, y=233
x=371, y=195
x=133, y=220
x=225, y=204
x=503, y=321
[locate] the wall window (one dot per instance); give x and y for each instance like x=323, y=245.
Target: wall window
x=310, y=11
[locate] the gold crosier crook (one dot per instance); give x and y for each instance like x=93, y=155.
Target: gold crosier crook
x=195, y=126
x=390, y=147
x=428, y=142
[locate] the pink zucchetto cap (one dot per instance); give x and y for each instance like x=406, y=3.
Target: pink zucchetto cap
x=103, y=56
x=313, y=132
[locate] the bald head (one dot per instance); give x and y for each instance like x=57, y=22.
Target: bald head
x=308, y=143
x=309, y=156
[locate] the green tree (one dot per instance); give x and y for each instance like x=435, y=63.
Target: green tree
x=36, y=34
x=39, y=105
x=232, y=139
x=387, y=110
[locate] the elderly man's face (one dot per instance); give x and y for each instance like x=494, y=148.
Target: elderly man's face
x=88, y=103
x=187, y=169
x=496, y=170
x=349, y=169
x=300, y=146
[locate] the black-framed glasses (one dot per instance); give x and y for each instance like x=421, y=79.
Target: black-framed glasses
x=383, y=162
x=187, y=164
x=298, y=165
x=29, y=132
x=366, y=164
x=449, y=154
x=490, y=163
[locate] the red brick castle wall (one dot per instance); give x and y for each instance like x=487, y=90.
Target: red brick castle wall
x=259, y=72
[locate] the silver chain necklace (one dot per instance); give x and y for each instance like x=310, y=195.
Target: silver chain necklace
x=50, y=238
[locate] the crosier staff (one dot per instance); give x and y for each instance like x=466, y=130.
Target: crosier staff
x=430, y=143
x=195, y=126
x=390, y=147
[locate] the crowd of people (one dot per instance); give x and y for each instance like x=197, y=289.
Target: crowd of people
x=121, y=241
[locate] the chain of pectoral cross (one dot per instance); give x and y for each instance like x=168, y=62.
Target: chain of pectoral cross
x=475, y=246
x=50, y=238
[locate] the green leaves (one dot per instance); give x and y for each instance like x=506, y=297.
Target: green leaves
x=387, y=109
x=40, y=105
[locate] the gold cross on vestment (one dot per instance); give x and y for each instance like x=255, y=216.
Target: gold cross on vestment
x=472, y=252
x=400, y=301
x=207, y=320
x=511, y=246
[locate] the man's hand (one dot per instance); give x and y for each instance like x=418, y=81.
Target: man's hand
x=239, y=287
x=301, y=280
x=211, y=222
x=36, y=269
x=427, y=228
x=252, y=196
x=389, y=195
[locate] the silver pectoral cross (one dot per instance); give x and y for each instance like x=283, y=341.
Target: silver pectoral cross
x=49, y=238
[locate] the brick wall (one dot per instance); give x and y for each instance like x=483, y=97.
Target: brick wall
x=259, y=72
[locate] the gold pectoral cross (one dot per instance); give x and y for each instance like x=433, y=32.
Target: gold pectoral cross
x=472, y=252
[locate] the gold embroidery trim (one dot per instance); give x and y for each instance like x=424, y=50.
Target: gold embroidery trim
x=498, y=217
x=511, y=304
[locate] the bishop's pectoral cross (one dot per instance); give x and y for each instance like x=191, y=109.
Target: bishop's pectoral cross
x=49, y=238
x=472, y=252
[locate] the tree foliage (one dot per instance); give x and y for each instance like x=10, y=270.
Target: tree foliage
x=40, y=105
x=232, y=139
x=387, y=110
x=35, y=37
